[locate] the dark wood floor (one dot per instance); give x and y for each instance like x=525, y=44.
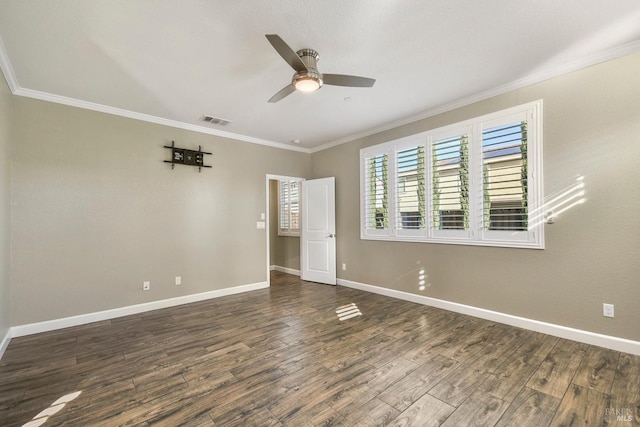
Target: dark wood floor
x=281, y=356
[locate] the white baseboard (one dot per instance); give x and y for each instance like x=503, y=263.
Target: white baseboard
x=614, y=343
x=285, y=270
x=5, y=342
x=51, y=325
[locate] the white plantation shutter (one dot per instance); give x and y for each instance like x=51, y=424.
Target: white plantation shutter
x=450, y=181
x=505, y=189
x=477, y=182
x=410, y=188
x=283, y=212
x=289, y=208
x=510, y=165
x=374, y=187
x=294, y=206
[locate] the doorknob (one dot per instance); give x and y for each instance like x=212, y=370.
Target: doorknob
x=331, y=236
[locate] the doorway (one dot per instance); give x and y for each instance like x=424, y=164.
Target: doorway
x=300, y=228
x=283, y=245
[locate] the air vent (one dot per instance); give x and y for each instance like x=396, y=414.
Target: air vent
x=215, y=120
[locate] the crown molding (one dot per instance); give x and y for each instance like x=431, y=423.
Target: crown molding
x=16, y=89
x=7, y=69
x=545, y=74
x=73, y=102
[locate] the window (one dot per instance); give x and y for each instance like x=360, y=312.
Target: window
x=410, y=194
x=288, y=208
x=504, y=163
x=476, y=182
x=376, y=202
x=450, y=180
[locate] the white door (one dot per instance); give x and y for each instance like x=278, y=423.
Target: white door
x=318, y=231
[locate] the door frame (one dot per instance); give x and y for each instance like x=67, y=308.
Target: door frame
x=269, y=178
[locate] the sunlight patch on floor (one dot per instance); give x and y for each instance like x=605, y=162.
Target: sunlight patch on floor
x=53, y=409
x=348, y=311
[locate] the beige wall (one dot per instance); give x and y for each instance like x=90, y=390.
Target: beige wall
x=5, y=134
x=287, y=252
x=591, y=128
x=96, y=212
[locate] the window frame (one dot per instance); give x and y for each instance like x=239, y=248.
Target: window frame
x=476, y=235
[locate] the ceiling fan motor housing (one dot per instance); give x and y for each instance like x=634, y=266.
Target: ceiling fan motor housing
x=310, y=58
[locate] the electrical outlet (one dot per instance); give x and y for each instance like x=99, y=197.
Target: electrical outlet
x=607, y=310
x=344, y=266
x=146, y=286
x=178, y=280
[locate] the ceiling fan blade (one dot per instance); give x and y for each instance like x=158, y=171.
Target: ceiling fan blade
x=284, y=92
x=286, y=52
x=345, y=80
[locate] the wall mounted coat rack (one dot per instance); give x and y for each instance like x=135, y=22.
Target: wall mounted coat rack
x=182, y=156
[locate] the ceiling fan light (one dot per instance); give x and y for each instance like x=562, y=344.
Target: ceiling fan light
x=307, y=84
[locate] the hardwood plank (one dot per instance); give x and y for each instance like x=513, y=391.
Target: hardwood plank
x=321, y=391
x=298, y=390
x=158, y=384
x=409, y=389
x=356, y=395
x=243, y=398
x=38, y=371
x=258, y=417
x=504, y=343
x=317, y=415
x=304, y=355
x=479, y=410
x=134, y=411
x=343, y=356
x=529, y=408
x=461, y=382
x=581, y=407
x=597, y=369
x=184, y=419
x=93, y=399
x=374, y=413
x=557, y=370
x=425, y=412
x=442, y=338
x=535, y=348
x=509, y=378
x=625, y=392
x=471, y=341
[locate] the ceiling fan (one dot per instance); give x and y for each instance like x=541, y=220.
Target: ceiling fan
x=307, y=78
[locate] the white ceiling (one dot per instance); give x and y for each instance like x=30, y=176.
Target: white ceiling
x=173, y=61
